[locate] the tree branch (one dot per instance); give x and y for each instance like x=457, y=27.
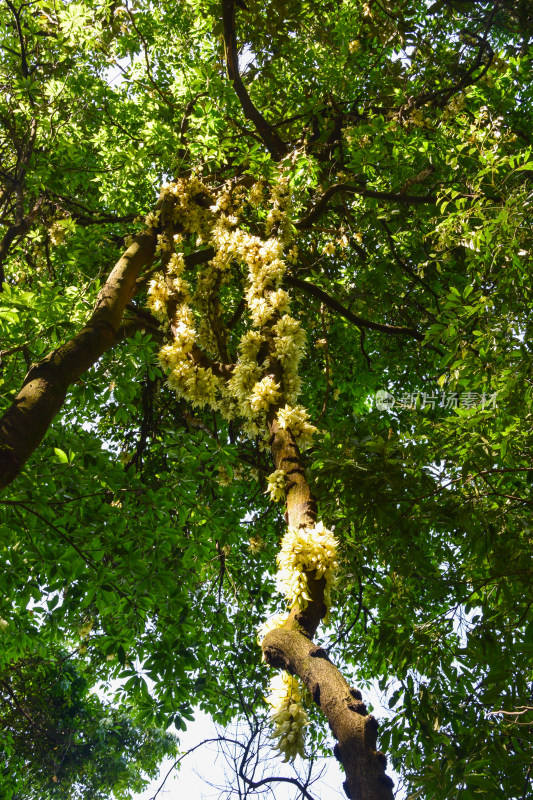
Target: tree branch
x=291, y=648
x=23, y=59
x=354, y=729
x=448, y=92
x=267, y=781
x=18, y=229
x=271, y=139
x=201, y=359
x=350, y=188
x=320, y=294
x=45, y=387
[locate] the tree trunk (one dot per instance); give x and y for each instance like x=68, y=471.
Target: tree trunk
x=291, y=648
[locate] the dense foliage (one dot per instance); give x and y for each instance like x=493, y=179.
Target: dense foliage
x=59, y=739
x=139, y=540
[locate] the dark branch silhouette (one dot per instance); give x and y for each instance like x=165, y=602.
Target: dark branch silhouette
x=271, y=139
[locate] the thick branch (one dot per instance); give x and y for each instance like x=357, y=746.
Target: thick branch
x=320, y=294
x=353, y=728
x=218, y=368
x=301, y=507
x=45, y=387
x=272, y=141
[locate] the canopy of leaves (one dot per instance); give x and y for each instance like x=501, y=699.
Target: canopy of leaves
x=60, y=740
x=404, y=131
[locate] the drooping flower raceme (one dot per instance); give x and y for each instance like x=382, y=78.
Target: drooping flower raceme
x=304, y=551
x=264, y=382
x=288, y=715
x=276, y=485
x=275, y=341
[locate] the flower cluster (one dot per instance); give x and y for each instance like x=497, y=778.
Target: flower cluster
x=303, y=551
x=158, y=296
x=57, y=232
x=295, y=419
x=276, y=485
x=288, y=715
x=256, y=544
x=266, y=373
x=223, y=477
x=197, y=384
x=264, y=394
x=59, y=229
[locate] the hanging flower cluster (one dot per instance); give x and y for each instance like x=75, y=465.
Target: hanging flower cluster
x=196, y=319
x=288, y=715
x=304, y=551
x=276, y=485
x=198, y=384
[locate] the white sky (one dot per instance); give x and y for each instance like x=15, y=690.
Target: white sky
x=204, y=774
x=206, y=766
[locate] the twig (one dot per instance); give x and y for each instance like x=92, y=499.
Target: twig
x=350, y=188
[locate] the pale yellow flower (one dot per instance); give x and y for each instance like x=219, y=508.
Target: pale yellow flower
x=276, y=485
x=306, y=550
x=223, y=478
x=295, y=419
x=256, y=544
x=288, y=716
x=264, y=394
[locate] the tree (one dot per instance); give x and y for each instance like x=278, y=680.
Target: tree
x=59, y=740
x=318, y=331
